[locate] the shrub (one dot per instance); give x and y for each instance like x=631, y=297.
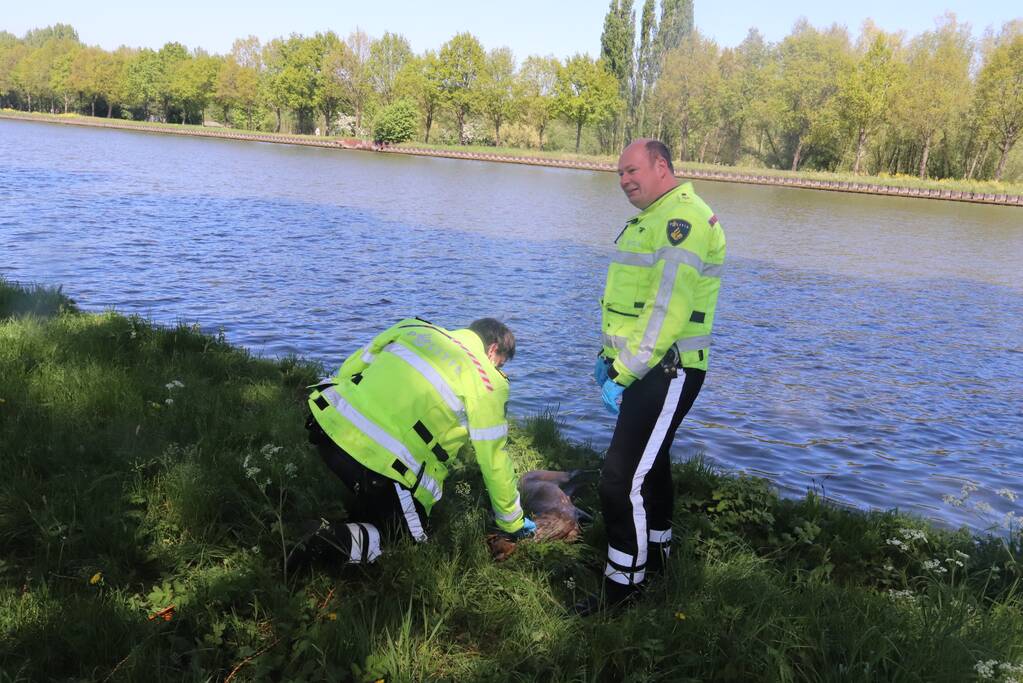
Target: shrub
x=396, y=122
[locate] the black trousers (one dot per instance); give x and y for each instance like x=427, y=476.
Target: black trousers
x=636, y=493
x=378, y=507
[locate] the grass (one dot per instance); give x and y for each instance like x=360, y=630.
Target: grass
x=886, y=180
x=143, y=468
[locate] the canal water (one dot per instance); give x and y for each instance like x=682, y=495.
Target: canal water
x=870, y=348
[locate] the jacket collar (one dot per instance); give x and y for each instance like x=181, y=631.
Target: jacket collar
x=682, y=188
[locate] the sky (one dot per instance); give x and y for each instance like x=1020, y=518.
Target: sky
x=558, y=27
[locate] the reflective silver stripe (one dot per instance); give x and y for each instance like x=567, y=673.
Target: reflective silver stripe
x=514, y=514
x=660, y=536
x=368, y=357
x=355, y=553
x=431, y=375
x=693, y=343
x=373, y=551
x=408, y=508
x=488, y=433
x=713, y=270
x=624, y=578
x=382, y=439
x=619, y=558
x=646, y=461
x=635, y=365
x=657, y=315
x=676, y=255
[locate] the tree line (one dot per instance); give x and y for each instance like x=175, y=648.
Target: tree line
x=937, y=104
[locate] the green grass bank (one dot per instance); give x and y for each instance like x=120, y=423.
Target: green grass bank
x=145, y=468
x=981, y=192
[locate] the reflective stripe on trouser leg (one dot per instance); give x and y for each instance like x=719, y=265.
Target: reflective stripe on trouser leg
x=622, y=568
x=365, y=545
x=662, y=539
x=413, y=522
x=653, y=446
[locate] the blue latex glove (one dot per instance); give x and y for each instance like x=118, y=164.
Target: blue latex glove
x=611, y=391
x=527, y=530
x=600, y=371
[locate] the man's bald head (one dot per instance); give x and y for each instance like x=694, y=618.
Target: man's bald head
x=645, y=172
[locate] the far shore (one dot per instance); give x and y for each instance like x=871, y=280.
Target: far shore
x=812, y=181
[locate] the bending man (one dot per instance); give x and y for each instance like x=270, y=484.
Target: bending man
x=396, y=411
x=657, y=314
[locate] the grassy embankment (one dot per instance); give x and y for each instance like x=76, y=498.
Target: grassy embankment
x=145, y=467
x=913, y=182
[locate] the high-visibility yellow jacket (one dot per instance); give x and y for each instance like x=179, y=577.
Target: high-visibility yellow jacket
x=406, y=404
x=662, y=286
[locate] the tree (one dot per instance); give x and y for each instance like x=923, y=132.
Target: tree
x=396, y=122
x=387, y=56
x=616, y=47
x=804, y=86
x=864, y=91
x=936, y=84
x=331, y=86
x=1000, y=95
x=192, y=85
x=420, y=81
x=642, y=79
x=356, y=79
x=538, y=80
x=167, y=61
x=688, y=92
x=461, y=64
x=291, y=76
x=585, y=93
x=500, y=95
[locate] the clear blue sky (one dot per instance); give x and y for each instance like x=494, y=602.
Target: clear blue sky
x=559, y=27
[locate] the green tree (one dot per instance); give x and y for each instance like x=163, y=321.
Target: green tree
x=168, y=59
x=62, y=83
x=500, y=94
x=461, y=64
x=616, y=51
x=387, y=56
x=688, y=92
x=538, y=81
x=40, y=36
x=192, y=84
x=32, y=73
x=936, y=86
x=1000, y=95
x=291, y=77
x=586, y=93
x=420, y=80
x=331, y=87
x=396, y=122
x=864, y=90
x=642, y=80
x=357, y=81
x=238, y=80
x=805, y=85
x=11, y=54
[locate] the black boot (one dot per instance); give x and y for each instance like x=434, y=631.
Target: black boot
x=612, y=597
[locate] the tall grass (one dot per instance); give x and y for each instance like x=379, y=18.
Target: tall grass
x=148, y=476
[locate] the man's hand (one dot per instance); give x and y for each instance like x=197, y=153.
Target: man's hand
x=600, y=371
x=527, y=530
x=611, y=391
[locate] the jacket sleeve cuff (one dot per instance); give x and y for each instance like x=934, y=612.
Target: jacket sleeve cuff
x=620, y=374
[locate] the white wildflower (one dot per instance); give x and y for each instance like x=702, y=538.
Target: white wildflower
x=269, y=451
x=174, y=384
x=951, y=500
x=290, y=469
x=985, y=669
x=1006, y=493
x=913, y=535
x=952, y=560
x=169, y=401
x=901, y=596
x=962, y=555
x=983, y=507
x=896, y=542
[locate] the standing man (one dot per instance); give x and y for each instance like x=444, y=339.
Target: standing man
x=396, y=411
x=657, y=313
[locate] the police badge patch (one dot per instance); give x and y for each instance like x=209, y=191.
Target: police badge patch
x=678, y=230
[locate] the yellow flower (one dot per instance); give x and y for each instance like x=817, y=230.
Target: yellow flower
x=332, y=616
x=96, y=578
x=681, y=616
